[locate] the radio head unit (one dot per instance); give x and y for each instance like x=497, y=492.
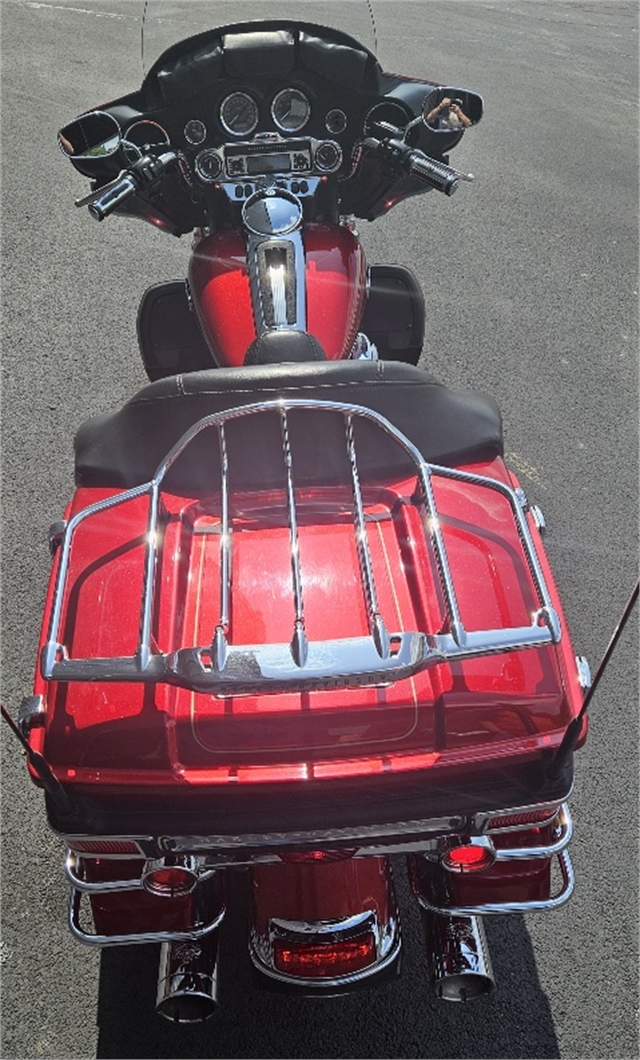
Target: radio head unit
x=303, y=157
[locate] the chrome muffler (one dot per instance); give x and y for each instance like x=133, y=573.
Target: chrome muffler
x=188, y=979
x=458, y=956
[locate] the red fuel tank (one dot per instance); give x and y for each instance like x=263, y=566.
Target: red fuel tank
x=335, y=275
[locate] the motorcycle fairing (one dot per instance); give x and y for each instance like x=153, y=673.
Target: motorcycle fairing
x=193, y=77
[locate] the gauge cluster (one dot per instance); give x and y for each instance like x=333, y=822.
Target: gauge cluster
x=295, y=130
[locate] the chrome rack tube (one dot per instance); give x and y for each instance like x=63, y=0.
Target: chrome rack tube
x=435, y=532
x=143, y=655
x=220, y=644
x=299, y=644
x=376, y=622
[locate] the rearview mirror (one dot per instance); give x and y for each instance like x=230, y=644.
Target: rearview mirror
x=451, y=109
x=94, y=135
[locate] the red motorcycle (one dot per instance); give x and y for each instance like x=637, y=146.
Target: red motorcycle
x=300, y=616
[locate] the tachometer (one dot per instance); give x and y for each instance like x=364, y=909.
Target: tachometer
x=239, y=114
x=290, y=110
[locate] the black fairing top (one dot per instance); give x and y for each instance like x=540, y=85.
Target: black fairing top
x=243, y=51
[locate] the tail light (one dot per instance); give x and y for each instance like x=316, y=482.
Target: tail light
x=473, y=856
x=297, y=857
x=316, y=960
x=170, y=877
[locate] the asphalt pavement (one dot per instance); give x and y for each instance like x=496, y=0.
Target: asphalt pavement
x=530, y=278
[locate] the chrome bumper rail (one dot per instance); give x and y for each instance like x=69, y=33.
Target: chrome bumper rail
x=96, y=887
x=565, y=827
x=498, y=908
x=75, y=899
x=222, y=668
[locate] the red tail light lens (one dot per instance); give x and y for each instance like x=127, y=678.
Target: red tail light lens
x=516, y=820
x=104, y=846
x=324, y=960
x=469, y=857
x=170, y=879
x=296, y=857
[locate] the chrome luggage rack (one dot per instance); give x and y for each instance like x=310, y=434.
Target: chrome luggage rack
x=382, y=657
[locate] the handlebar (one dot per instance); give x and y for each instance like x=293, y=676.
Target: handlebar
x=117, y=192
x=436, y=174
x=145, y=172
x=414, y=162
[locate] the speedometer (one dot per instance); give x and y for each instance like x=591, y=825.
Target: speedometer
x=239, y=114
x=290, y=110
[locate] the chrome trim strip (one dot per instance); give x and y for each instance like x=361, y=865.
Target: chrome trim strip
x=344, y=927
x=313, y=838
x=336, y=663
x=263, y=320
x=75, y=898
x=497, y=908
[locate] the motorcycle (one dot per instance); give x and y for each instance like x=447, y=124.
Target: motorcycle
x=300, y=616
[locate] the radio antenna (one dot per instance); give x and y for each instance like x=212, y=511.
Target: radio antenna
x=373, y=23
x=570, y=738
x=40, y=766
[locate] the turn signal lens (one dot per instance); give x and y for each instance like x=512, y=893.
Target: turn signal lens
x=324, y=960
x=170, y=878
x=469, y=857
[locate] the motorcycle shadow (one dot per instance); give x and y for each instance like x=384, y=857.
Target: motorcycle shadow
x=401, y=1019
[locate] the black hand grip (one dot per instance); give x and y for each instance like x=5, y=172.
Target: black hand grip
x=116, y=194
x=436, y=174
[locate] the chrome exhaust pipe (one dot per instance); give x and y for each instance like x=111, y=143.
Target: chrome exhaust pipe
x=458, y=956
x=188, y=979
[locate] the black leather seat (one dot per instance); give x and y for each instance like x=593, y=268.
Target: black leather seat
x=124, y=448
